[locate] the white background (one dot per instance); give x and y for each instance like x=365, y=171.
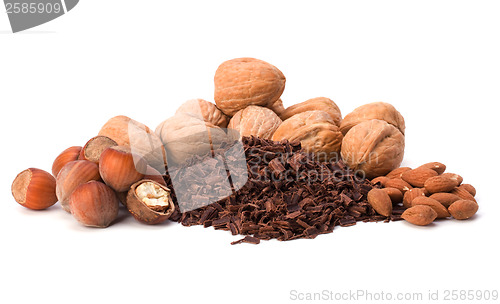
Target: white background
x=437, y=61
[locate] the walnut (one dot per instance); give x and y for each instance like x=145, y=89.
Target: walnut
x=316, y=132
x=205, y=110
x=257, y=121
x=243, y=82
x=277, y=107
x=185, y=136
x=376, y=110
x=373, y=146
x=319, y=103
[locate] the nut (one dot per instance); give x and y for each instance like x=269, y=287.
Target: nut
x=150, y=202
x=410, y=195
x=462, y=193
x=34, y=189
x=436, y=166
x=277, y=107
x=316, y=132
x=454, y=177
x=72, y=175
x=395, y=195
x=255, y=121
x=446, y=199
x=381, y=180
x=153, y=174
x=94, y=147
x=243, y=82
x=205, y=111
x=120, y=168
x=434, y=204
x=70, y=154
x=376, y=110
x=396, y=173
x=420, y=215
x=440, y=183
x=374, y=147
x=380, y=201
x=399, y=184
x=417, y=177
x=315, y=104
x=469, y=188
x=463, y=209
x=94, y=204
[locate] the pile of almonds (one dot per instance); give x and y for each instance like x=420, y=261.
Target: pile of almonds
x=426, y=192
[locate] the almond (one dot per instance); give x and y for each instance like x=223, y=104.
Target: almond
x=395, y=195
x=380, y=201
x=417, y=177
x=410, y=195
x=419, y=215
x=436, y=166
x=396, y=173
x=469, y=188
x=446, y=199
x=463, y=209
x=434, y=204
x=454, y=177
x=381, y=180
x=440, y=183
x=399, y=184
x=462, y=193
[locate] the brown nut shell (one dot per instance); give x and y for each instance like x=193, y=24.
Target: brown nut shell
x=205, y=111
x=94, y=147
x=376, y=110
x=374, y=147
x=34, y=189
x=120, y=168
x=242, y=82
x=255, y=121
x=146, y=213
x=277, y=107
x=315, y=104
x=70, y=154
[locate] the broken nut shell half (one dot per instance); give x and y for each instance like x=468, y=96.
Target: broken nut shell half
x=150, y=202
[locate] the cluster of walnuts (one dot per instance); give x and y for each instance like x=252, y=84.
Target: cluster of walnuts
x=247, y=100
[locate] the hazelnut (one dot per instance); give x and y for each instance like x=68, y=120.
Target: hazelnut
x=150, y=202
x=316, y=132
x=94, y=204
x=120, y=168
x=70, y=154
x=205, y=111
x=319, y=104
x=374, y=147
x=94, y=147
x=376, y=110
x=243, y=82
x=71, y=176
x=34, y=189
x=255, y=121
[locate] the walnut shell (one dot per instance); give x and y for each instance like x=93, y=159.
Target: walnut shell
x=257, y=121
x=319, y=103
x=277, y=107
x=246, y=81
x=374, y=147
x=375, y=110
x=186, y=136
x=316, y=132
x=204, y=110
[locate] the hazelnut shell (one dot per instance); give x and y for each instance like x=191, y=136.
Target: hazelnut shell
x=70, y=154
x=141, y=211
x=120, y=168
x=34, y=189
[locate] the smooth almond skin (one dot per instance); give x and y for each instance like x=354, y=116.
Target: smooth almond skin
x=242, y=82
x=94, y=204
x=469, y=188
x=454, y=177
x=446, y=199
x=66, y=156
x=440, y=183
x=410, y=195
x=463, y=209
x=399, y=184
x=255, y=121
x=315, y=104
x=380, y=201
x=462, y=193
x=395, y=195
x=436, y=166
x=434, y=204
x=381, y=180
x=420, y=215
x=396, y=173
x=376, y=110
x=417, y=177
x=34, y=189
x=120, y=168
x=72, y=175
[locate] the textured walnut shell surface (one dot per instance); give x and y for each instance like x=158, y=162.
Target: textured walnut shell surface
x=376, y=110
x=257, y=121
x=204, y=110
x=277, y=107
x=374, y=147
x=320, y=104
x=316, y=132
x=247, y=81
x=185, y=136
